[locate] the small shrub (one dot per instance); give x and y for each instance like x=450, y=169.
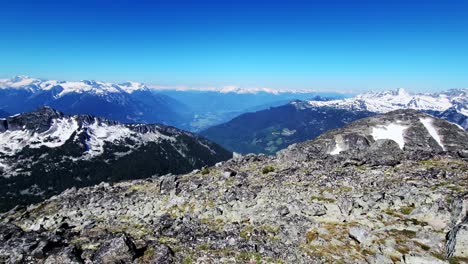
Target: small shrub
x=406, y=210
x=268, y=169
x=311, y=236
x=205, y=171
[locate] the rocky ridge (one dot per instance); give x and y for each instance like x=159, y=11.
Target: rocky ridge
x=308, y=204
x=45, y=151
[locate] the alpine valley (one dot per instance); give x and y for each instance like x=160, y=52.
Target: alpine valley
x=45, y=152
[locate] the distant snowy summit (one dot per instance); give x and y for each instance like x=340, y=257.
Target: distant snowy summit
x=386, y=101
x=234, y=89
x=65, y=87
x=128, y=102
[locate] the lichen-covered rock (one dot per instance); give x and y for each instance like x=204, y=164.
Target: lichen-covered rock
x=68, y=255
x=120, y=249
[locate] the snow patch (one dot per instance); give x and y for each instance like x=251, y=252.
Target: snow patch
x=339, y=145
x=13, y=141
x=100, y=133
x=428, y=124
x=393, y=131
x=336, y=150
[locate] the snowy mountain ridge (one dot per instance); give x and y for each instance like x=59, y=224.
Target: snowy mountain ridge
x=45, y=152
x=65, y=87
x=48, y=128
x=386, y=101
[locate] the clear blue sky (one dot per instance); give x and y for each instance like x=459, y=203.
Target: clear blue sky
x=342, y=45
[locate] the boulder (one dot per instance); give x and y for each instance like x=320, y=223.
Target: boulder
x=68, y=255
x=457, y=241
x=418, y=259
x=120, y=249
x=360, y=234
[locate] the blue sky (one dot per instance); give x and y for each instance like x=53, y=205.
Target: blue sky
x=331, y=45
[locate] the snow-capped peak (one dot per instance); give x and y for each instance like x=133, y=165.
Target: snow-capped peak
x=130, y=87
x=96, y=87
x=20, y=81
x=386, y=101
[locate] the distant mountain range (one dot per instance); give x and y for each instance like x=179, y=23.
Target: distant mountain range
x=44, y=152
x=134, y=102
x=270, y=130
x=129, y=102
x=451, y=105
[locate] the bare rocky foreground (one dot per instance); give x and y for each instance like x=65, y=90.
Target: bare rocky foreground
x=304, y=205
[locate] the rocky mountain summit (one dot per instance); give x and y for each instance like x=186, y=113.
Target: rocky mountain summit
x=44, y=152
x=385, y=189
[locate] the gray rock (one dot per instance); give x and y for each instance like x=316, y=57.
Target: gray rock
x=459, y=209
x=360, y=234
x=120, y=249
x=157, y=254
x=457, y=241
x=379, y=259
x=419, y=259
x=283, y=210
x=316, y=209
x=68, y=255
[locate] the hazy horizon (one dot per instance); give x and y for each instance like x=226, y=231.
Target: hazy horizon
x=334, y=45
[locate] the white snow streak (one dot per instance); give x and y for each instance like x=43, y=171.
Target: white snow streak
x=391, y=131
x=428, y=124
x=336, y=150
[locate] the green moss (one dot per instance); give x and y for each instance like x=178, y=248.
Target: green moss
x=267, y=169
x=205, y=171
x=322, y=199
x=245, y=233
x=203, y=247
x=187, y=260
x=423, y=246
x=455, y=260
x=248, y=257
x=406, y=210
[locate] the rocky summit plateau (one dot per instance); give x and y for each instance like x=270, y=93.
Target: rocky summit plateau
x=391, y=188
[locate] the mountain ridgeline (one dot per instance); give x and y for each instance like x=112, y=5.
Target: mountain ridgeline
x=273, y=129
x=389, y=189
x=45, y=152
x=128, y=102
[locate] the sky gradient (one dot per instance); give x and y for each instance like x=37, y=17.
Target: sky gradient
x=330, y=45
